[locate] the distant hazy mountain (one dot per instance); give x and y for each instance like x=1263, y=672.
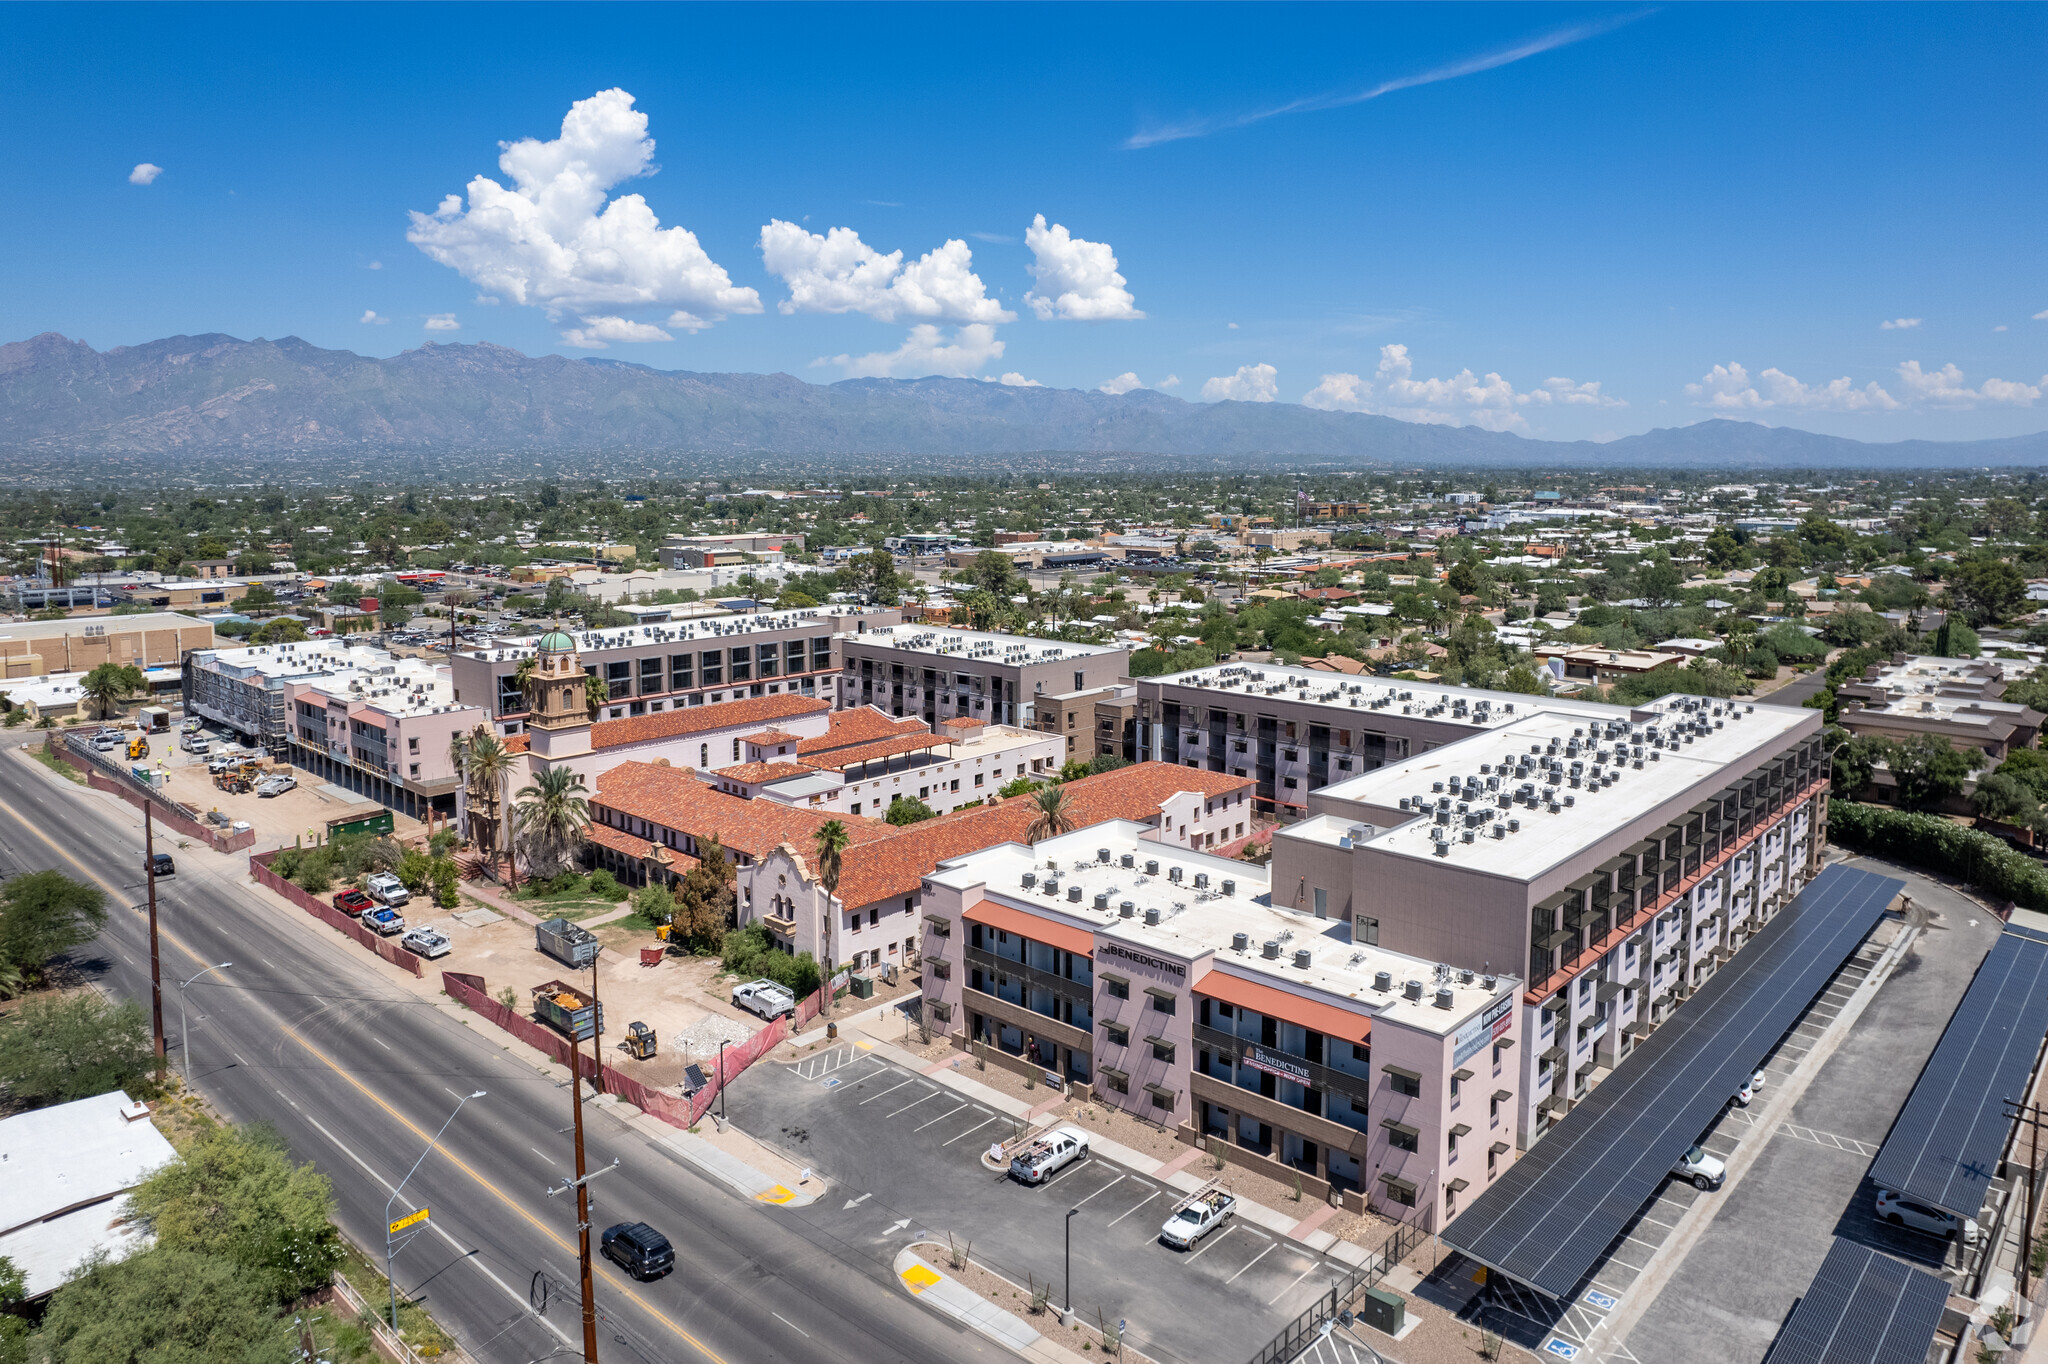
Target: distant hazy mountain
x=212, y=396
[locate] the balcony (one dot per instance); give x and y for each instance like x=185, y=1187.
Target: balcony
x=1030, y=1020
x=1031, y=975
x=1252, y=1104
x=1314, y=1074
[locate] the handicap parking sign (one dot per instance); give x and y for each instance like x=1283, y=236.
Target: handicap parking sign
x=1605, y=1302
x=1562, y=1349
x=832, y=1083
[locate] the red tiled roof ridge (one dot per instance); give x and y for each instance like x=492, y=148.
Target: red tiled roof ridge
x=860, y=725
x=669, y=724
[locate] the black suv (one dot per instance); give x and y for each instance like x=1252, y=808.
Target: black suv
x=638, y=1249
x=164, y=865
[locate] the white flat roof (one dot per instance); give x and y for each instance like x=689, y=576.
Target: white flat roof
x=1345, y=695
x=75, y=626
x=70, y=1156
x=691, y=630
x=1537, y=755
x=979, y=646
x=313, y=658
x=1194, y=920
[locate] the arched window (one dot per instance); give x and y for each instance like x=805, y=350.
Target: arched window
x=703, y=755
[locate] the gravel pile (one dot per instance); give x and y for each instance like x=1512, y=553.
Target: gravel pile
x=702, y=1037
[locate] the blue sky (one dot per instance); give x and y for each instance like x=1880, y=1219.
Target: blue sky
x=1571, y=221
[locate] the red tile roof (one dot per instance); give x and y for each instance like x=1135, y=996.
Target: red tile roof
x=634, y=846
x=674, y=798
x=766, y=771
x=839, y=759
x=775, y=736
x=863, y=725
x=670, y=724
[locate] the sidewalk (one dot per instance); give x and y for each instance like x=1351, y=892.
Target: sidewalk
x=942, y=1293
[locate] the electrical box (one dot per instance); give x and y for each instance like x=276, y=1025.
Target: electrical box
x=1383, y=1311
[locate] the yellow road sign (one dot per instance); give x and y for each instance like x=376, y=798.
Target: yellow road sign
x=411, y=1220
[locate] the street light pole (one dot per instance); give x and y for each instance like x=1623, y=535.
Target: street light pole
x=1070, y=1260
x=184, y=1030
x=388, y=1250
x=156, y=981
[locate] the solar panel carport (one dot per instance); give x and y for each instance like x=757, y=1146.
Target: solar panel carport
x=1862, y=1308
x=1944, y=1146
x=1548, y=1220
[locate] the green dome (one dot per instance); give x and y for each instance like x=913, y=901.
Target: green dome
x=556, y=642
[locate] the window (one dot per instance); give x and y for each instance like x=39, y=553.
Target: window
x=1116, y=987
x=1368, y=934
x=1162, y=1050
x=703, y=755
x=1399, y=1191
x=415, y=770
x=1117, y=1033
x=1161, y=1098
x=735, y=750
x=412, y=745
x=681, y=672
x=712, y=669
x=977, y=779
x=1119, y=1083
x=619, y=677
x=1406, y=1083
x=1400, y=1136
x=650, y=676
x=1162, y=1001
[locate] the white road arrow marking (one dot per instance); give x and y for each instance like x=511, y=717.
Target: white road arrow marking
x=856, y=1202
x=895, y=1227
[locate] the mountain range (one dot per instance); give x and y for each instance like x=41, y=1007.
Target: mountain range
x=216, y=396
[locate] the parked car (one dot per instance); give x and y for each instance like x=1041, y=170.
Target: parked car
x=353, y=903
x=386, y=888
x=106, y=741
x=276, y=786
x=1901, y=1211
x=764, y=998
x=1196, y=1216
x=1704, y=1170
x=1048, y=1155
x=426, y=942
x=164, y=865
x=194, y=745
x=384, y=921
x=638, y=1249
x=1742, y=1096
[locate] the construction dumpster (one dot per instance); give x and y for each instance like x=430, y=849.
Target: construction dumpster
x=566, y=943
x=568, y=1010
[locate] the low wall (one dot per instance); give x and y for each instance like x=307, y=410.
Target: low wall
x=259, y=867
x=673, y=1109
x=166, y=813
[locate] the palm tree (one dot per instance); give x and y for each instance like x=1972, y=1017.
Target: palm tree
x=487, y=765
x=108, y=685
x=523, y=678
x=596, y=691
x=552, y=814
x=1052, y=816
x=830, y=840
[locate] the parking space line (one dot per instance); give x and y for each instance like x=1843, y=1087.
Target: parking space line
x=969, y=1132
x=1249, y=1263
x=1105, y=1188
x=1133, y=1208
x=880, y=1066
x=926, y=1099
x=941, y=1118
x=884, y=1094
x=1220, y=1237
x=1290, y=1287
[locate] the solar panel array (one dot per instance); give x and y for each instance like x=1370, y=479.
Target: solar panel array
x=1547, y=1221
x=1945, y=1144
x=1862, y=1308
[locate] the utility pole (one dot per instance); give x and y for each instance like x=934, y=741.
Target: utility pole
x=596, y=1031
x=580, y=1184
x=2033, y=1115
x=156, y=982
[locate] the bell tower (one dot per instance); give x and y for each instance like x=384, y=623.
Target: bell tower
x=560, y=726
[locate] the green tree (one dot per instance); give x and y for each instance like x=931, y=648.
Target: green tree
x=908, y=810
x=1724, y=551
x=44, y=913
x=110, y=684
x=1106, y=762
x=829, y=842
x=1053, y=814
x=993, y=572
x=258, y=596
x=874, y=574
x=283, y=630
x=705, y=899
x=56, y=1048
x=1523, y=681
x=552, y=814
x=655, y=903
x=1986, y=589
x=233, y=1194
x=1928, y=770
x=596, y=691
x=13, y=1330
x=162, y=1307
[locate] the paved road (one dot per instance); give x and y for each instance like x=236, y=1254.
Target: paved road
x=906, y=1147
x=357, y=1073
x=1727, y=1299
x=1795, y=692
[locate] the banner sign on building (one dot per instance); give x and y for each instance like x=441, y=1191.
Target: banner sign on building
x=1482, y=1031
x=1274, y=1063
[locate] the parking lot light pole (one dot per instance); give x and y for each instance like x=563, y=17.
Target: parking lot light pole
x=388, y=1248
x=184, y=1029
x=1070, y=1262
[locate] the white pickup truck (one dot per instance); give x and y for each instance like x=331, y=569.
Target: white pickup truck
x=1195, y=1216
x=1047, y=1155
x=764, y=999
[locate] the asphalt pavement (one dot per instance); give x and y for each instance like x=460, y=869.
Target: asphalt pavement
x=306, y=1031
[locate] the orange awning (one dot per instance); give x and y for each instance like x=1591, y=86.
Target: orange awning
x=1064, y=936
x=1331, y=1020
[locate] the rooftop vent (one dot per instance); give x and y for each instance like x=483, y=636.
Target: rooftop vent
x=1173, y=874
x=1383, y=980
x=1270, y=949
x=1127, y=909
x=1101, y=901
x=1151, y=866
x=1464, y=977
x=1201, y=880
x=1488, y=983
x=1030, y=879
x=1127, y=861
x=1302, y=958
x=1102, y=854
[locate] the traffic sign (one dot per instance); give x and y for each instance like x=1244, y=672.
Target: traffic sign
x=410, y=1220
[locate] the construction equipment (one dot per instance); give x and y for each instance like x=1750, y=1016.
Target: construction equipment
x=639, y=1042
x=138, y=747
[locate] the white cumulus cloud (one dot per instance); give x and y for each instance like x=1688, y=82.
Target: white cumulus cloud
x=2041, y=316
x=1251, y=384
x=1015, y=380
x=145, y=173
x=1077, y=279
x=1728, y=388
x=552, y=239
x=927, y=351
x=1170, y=381
x=1123, y=383
x=443, y=322
x=1463, y=399
x=370, y=316
x=1898, y=324
x=837, y=272
x=1944, y=387
x=598, y=332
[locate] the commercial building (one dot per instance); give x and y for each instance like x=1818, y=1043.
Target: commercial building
x=1612, y=862
x=1098, y=722
x=101, y=590
x=941, y=673
x=1294, y=730
x=652, y=668
x=1953, y=698
x=61, y=696
x=1177, y=986
x=700, y=551
x=30, y=648
x=867, y=761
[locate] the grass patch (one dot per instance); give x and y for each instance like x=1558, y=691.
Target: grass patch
x=418, y=1329
x=58, y=765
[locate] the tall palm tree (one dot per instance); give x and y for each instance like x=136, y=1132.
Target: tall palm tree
x=552, y=813
x=596, y=691
x=1052, y=814
x=830, y=840
x=523, y=677
x=108, y=685
x=487, y=766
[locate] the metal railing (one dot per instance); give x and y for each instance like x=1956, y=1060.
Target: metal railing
x=1341, y=1300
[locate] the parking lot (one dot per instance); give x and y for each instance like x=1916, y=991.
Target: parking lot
x=903, y=1156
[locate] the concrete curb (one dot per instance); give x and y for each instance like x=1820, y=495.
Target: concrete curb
x=948, y=1295
x=745, y=1179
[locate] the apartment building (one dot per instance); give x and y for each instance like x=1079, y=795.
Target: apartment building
x=1179, y=987
x=31, y=648
x=1098, y=722
x=1295, y=730
x=867, y=761
x=249, y=689
x=383, y=728
x=1612, y=862
x=938, y=673
x=671, y=665
x=1957, y=699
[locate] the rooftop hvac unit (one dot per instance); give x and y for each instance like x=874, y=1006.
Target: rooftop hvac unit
x=1074, y=894
x=1127, y=861
x=1201, y=880
x=1240, y=941
x=1488, y=983
x=1229, y=886
x=1102, y=901
x=1127, y=909
x=1270, y=949
x=1151, y=867
x=1383, y=980
x=1412, y=990
x=1151, y=914
x=1301, y=958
